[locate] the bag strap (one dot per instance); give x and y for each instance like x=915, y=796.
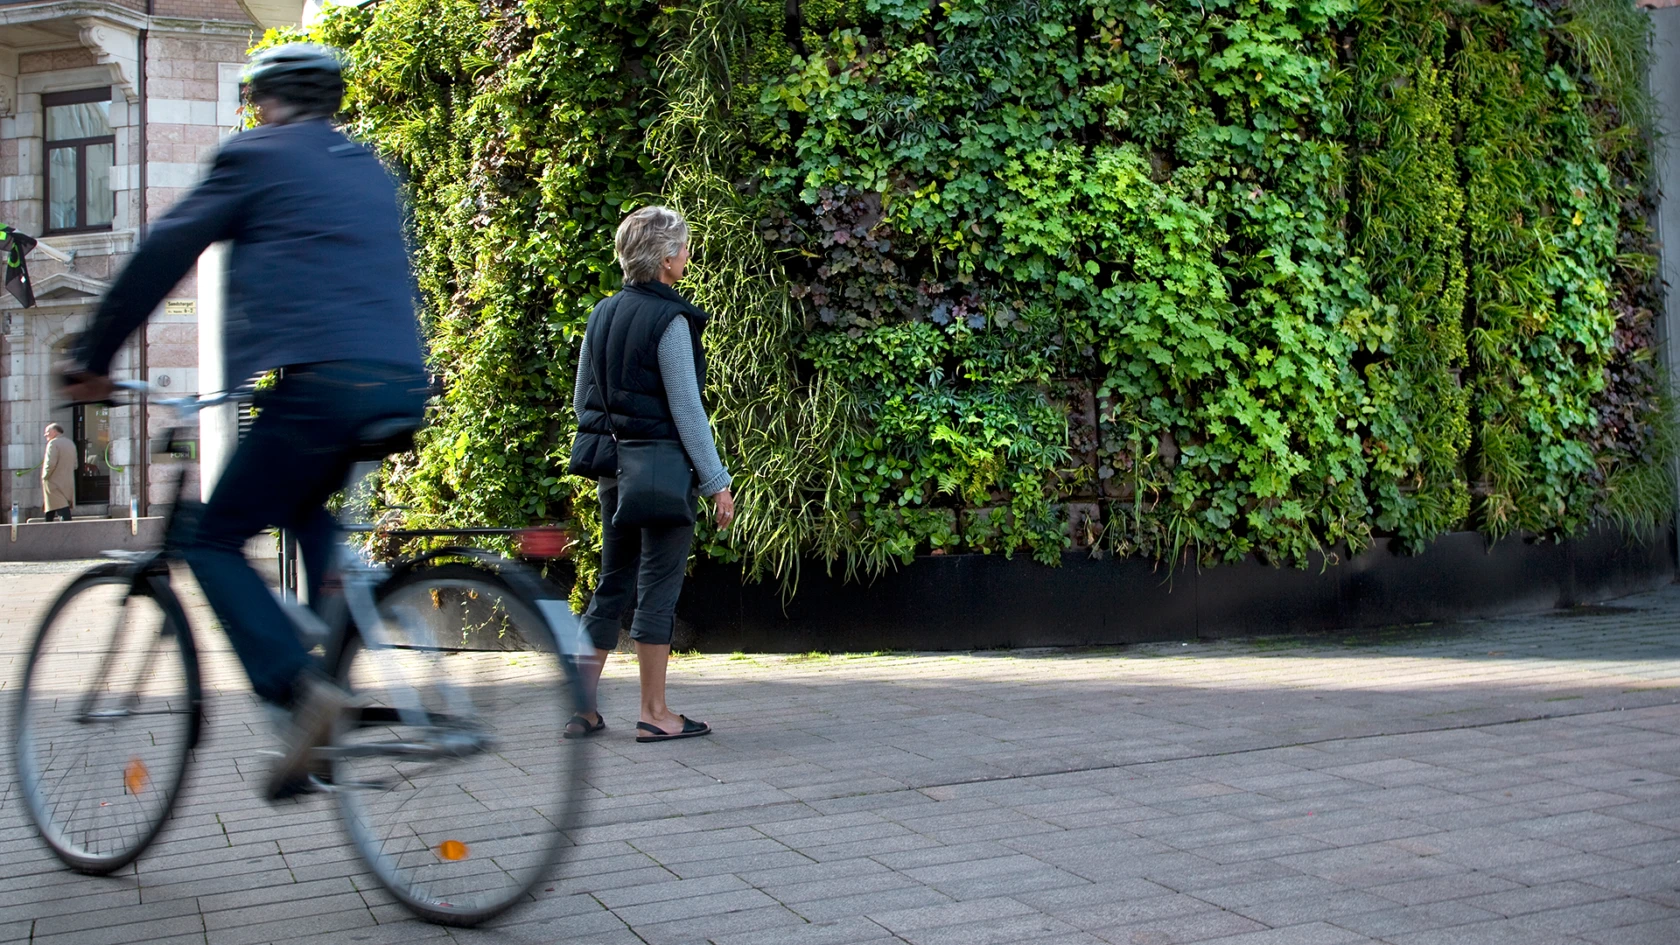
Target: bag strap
x=600, y=368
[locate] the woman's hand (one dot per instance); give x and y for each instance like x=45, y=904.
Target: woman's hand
x=723, y=508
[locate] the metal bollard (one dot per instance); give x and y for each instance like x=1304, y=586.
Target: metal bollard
x=15, y=516
x=134, y=516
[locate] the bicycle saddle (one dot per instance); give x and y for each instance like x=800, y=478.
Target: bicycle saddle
x=381, y=438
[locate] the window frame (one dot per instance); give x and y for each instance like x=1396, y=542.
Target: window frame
x=80, y=145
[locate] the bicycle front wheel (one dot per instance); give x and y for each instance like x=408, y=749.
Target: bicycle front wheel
x=106, y=718
x=455, y=785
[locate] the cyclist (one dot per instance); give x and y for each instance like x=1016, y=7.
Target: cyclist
x=318, y=284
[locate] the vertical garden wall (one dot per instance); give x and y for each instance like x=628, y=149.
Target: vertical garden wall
x=1159, y=279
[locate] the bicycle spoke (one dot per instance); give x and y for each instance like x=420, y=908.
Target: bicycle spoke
x=143, y=673
x=97, y=684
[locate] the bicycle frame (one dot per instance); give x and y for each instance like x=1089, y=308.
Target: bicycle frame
x=419, y=721
x=360, y=578
x=145, y=566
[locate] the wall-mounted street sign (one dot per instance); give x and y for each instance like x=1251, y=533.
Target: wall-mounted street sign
x=181, y=307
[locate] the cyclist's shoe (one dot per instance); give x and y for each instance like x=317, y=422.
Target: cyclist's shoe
x=315, y=712
x=320, y=769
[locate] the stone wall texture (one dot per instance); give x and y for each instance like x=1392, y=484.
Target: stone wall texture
x=227, y=10
x=54, y=60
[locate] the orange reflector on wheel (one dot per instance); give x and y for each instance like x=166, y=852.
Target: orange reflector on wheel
x=134, y=776
x=452, y=850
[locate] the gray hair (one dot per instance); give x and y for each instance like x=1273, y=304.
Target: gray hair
x=645, y=239
x=55, y=428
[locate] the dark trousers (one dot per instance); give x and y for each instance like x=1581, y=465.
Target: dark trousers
x=296, y=455
x=62, y=514
x=641, y=564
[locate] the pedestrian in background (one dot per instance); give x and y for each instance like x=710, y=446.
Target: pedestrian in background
x=58, y=474
x=639, y=379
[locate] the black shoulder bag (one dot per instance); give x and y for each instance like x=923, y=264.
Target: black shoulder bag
x=655, y=480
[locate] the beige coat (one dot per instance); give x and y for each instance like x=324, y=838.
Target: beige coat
x=58, y=474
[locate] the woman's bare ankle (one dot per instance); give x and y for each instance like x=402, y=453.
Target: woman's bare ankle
x=665, y=722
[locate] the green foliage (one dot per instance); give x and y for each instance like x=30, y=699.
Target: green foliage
x=1241, y=277
x=1541, y=222
x=1634, y=439
x=1409, y=202
x=973, y=216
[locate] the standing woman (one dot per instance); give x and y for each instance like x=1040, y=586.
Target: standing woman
x=642, y=347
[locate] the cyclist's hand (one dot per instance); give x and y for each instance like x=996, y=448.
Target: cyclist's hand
x=723, y=508
x=81, y=387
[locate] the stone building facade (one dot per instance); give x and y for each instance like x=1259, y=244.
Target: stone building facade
x=109, y=111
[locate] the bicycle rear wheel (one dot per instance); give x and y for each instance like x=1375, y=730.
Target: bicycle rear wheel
x=106, y=718
x=454, y=783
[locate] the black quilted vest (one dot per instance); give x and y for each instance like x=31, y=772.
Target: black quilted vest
x=633, y=320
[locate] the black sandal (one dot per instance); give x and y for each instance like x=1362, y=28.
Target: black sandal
x=690, y=728
x=584, y=727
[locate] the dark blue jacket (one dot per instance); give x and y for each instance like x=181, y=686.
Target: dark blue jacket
x=317, y=271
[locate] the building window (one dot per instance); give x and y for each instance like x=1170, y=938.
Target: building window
x=81, y=147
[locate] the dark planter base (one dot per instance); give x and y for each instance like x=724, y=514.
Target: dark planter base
x=960, y=602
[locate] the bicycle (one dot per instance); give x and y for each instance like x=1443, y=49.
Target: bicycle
x=452, y=780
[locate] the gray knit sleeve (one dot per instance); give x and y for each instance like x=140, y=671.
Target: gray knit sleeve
x=585, y=377
x=682, y=392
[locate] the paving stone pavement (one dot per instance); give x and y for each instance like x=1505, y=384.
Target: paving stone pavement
x=1512, y=781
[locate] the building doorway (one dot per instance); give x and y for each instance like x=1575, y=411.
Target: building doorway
x=92, y=435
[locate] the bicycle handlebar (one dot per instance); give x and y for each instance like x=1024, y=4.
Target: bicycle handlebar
x=183, y=405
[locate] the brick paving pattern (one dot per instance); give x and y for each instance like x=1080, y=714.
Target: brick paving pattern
x=1513, y=781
